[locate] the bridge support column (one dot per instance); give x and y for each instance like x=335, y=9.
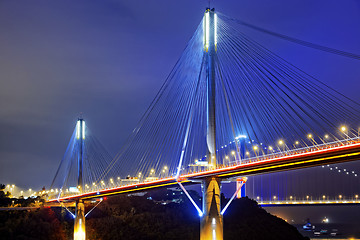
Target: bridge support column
x=240, y=183
x=211, y=225
x=79, y=225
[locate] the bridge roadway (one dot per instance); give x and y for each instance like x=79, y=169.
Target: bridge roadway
x=296, y=159
x=288, y=203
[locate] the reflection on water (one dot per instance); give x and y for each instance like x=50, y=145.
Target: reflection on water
x=331, y=230
x=337, y=221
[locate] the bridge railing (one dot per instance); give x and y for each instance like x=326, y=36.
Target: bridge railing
x=112, y=184
x=289, y=152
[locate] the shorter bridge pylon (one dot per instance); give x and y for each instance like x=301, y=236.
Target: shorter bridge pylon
x=79, y=224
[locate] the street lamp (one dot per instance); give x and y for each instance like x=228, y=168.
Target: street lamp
x=343, y=129
x=282, y=144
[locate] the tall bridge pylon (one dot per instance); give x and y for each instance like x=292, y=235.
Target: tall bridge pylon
x=211, y=226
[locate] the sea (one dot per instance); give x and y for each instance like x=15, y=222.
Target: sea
x=329, y=221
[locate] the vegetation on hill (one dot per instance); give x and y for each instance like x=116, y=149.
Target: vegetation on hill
x=158, y=215
x=42, y=224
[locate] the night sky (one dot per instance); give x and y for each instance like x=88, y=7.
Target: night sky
x=108, y=59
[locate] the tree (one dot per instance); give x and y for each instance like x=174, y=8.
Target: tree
x=4, y=197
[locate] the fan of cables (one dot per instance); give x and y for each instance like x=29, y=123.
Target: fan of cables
x=85, y=156
x=259, y=96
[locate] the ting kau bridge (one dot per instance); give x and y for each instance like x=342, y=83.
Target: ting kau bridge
x=229, y=109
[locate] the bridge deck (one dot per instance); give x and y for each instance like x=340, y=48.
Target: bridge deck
x=307, y=203
x=298, y=160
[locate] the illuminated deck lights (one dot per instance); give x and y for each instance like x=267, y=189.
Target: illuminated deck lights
x=238, y=169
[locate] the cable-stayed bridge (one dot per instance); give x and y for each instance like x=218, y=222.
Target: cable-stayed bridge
x=228, y=110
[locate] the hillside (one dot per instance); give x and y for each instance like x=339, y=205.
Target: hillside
x=156, y=216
